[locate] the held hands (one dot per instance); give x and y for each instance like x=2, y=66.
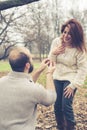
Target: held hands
x=49, y=64
x=59, y=49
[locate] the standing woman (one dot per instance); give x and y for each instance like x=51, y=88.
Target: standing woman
x=69, y=53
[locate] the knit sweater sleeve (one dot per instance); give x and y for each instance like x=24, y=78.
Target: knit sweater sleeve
x=81, y=70
x=44, y=96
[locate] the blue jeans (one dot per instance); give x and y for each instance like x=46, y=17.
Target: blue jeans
x=63, y=106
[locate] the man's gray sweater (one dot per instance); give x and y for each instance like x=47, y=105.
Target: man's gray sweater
x=19, y=97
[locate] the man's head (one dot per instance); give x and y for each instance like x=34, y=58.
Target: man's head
x=20, y=60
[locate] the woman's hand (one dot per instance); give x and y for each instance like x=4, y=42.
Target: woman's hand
x=68, y=92
x=58, y=49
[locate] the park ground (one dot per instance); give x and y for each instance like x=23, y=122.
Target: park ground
x=46, y=118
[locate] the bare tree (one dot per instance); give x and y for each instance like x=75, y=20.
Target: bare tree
x=6, y=21
x=35, y=29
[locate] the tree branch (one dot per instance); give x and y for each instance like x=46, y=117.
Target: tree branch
x=7, y=24
x=14, y=3
x=5, y=55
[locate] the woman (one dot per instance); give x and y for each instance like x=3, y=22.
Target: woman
x=69, y=53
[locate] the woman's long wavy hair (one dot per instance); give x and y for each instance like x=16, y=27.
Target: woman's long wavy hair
x=76, y=32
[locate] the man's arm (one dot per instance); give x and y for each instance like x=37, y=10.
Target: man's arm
x=47, y=96
x=49, y=74
x=37, y=73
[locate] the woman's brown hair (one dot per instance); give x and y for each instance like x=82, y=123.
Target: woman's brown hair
x=76, y=32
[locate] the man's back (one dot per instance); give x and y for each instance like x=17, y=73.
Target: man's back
x=18, y=103
x=18, y=100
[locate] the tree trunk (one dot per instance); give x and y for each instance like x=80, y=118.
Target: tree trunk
x=6, y=4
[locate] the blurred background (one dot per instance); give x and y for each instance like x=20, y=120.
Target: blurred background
x=35, y=25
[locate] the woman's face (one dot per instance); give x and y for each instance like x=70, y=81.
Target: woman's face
x=66, y=35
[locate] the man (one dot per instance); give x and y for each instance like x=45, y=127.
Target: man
x=19, y=94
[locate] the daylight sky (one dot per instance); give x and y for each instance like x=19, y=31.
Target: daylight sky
x=82, y=4
x=75, y=4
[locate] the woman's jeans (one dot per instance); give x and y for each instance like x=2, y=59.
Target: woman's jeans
x=63, y=106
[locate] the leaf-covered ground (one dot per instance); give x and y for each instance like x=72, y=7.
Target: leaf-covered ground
x=46, y=117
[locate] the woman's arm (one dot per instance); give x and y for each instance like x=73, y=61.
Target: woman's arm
x=80, y=76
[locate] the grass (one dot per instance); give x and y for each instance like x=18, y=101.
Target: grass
x=4, y=66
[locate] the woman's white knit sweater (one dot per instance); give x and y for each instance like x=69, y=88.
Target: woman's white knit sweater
x=70, y=65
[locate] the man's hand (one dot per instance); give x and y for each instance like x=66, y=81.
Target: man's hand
x=44, y=64
x=68, y=92
x=49, y=74
x=51, y=68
